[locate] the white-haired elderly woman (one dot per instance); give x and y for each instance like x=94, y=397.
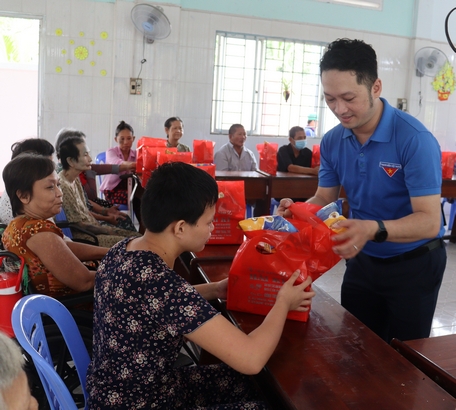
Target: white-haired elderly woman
x=14, y=387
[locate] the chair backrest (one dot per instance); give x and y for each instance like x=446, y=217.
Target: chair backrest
x=100, y=159
x=62, y=218
x=29, y=331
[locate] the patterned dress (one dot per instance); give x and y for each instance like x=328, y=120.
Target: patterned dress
x=76, y=211
x=15, y=238
x=142, y=311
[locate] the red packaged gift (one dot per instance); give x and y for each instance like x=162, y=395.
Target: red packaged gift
x=230, y=209
x=315, y=156
x=209, y=168
x=203, y=151
x=146, y=142
x=267, y=259
x=448, y=160
x=268, y=157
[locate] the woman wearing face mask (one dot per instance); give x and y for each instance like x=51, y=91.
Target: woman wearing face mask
x=295, y=157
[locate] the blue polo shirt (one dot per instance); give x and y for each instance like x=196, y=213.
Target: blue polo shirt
x=401, y=159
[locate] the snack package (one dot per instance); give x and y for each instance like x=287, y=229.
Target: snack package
x=330, y=214
x=270, y=223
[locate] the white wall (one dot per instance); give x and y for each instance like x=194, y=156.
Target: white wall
x=177, y=77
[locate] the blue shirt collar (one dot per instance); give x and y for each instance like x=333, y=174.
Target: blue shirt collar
x=384, y=129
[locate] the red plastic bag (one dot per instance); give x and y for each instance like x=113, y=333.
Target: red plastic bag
x=229, y=210
x=173, y=156
x=150, y=161
x=268, y=258
x=203, y=151
x=315, y=156
x=268, y=157
x=209, y=168
x=448, y=160
x=146, y=142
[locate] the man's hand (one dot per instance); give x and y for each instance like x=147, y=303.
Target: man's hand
x=282, y=209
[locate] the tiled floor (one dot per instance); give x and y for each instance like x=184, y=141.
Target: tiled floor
x=445, y=315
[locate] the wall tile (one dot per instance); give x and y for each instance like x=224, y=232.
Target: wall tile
x=34, y=6
x=56, y=98
x=80, y=92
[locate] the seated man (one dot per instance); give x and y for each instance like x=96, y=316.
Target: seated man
x=233, y=156
x=295, y=157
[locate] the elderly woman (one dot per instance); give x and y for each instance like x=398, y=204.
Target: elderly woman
x=75, y=158
x=54, y=265
x=174, y=128
x=114, y=188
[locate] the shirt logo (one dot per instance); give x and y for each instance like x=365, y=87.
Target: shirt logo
x=390, y=168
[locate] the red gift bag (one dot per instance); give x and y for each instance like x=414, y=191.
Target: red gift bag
x=448, y=160
x=146, y=142
x=209, y=168
x=203, y=151
x=150, y=154
x=268, y=258
x=173, y=156
x=315, y=156
x=268, y=157
x=229, y=210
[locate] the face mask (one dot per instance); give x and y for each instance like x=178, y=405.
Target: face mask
x=300, y=144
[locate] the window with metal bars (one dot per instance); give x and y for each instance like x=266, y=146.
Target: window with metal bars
x=267, y=84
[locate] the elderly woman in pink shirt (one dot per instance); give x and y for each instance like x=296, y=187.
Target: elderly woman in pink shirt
x=114, y=188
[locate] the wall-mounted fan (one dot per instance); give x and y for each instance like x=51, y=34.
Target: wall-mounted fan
x=151, y=21
x=429, y=61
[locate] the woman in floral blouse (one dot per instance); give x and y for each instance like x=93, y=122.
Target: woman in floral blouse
x=143, y=310
x=54, y=265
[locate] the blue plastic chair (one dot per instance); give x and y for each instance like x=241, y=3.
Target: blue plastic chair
x=100, y=159
x=30, y=333
x=62, y=222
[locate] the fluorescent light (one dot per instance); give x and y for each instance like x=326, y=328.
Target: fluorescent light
x=372, y=4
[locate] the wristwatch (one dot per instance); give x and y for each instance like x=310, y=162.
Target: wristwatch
x=382, y=233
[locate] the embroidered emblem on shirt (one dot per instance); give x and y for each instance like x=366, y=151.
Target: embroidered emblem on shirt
x=390, y=168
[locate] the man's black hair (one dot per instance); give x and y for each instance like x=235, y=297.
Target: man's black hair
x=352, y=55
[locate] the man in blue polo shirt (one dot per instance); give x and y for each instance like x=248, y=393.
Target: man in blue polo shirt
x=389, y=166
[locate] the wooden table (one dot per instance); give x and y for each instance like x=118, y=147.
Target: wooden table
x=290, y=185
x=434, y=356
x=332, y=361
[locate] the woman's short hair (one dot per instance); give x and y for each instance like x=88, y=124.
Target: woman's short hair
x=176, y=191
x=124, y=126
x=64, y=134
x=21, y=173
x=170, y=121
x=68, y=149
x=38, y=145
